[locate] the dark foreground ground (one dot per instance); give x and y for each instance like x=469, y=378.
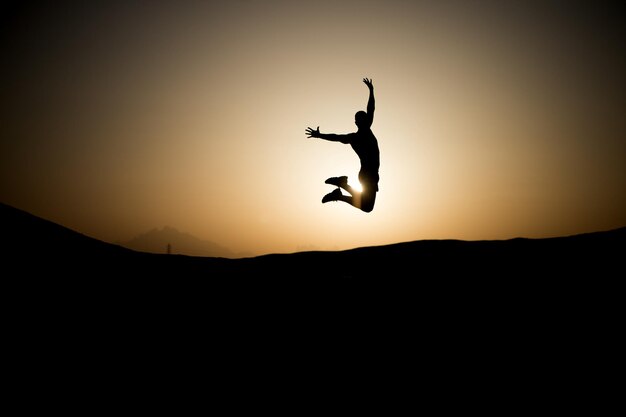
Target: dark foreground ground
x=544, y=314
x=432, y=290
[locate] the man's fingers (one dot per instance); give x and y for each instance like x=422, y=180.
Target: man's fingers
x=309, y=131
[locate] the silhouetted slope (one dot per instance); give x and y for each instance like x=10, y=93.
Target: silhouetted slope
x=34, y=245
x=593, y=253
x=33, y=237
x=30, y=242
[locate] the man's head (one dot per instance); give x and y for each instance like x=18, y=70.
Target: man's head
x=360, y=119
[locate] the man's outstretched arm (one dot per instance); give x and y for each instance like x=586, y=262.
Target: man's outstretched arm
x=315, y=133
x=370, y=102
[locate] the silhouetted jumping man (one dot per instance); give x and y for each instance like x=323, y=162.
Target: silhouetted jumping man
x=365, y=145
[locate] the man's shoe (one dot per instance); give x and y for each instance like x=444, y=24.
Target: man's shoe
x=332, y=196
x=337, y=181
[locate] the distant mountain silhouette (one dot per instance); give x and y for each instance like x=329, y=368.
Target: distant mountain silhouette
x=157, y=241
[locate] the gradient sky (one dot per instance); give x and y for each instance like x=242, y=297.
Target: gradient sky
x=494, y=121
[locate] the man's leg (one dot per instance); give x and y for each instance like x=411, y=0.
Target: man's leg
x=362, y=200
x=341, y=182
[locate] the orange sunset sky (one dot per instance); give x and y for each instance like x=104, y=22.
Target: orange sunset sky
x=494, y=120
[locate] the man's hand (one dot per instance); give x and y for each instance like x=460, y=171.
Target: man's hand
x=313, y=133
x=368, y=83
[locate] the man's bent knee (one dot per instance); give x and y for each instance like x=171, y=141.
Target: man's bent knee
x=367, y=205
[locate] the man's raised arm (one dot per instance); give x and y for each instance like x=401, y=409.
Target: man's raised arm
x=370, y=102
